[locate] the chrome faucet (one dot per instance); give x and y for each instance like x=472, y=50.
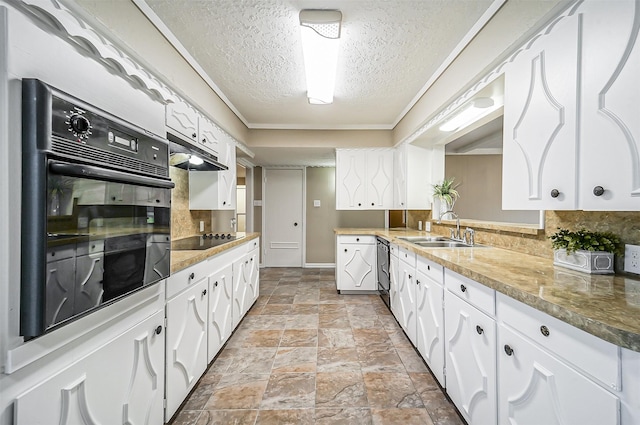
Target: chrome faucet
x=467, y=237
x=455, y=234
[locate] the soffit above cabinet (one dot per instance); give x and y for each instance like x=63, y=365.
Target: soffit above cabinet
x=252, y=54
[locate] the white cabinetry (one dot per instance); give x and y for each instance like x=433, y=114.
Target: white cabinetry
x=119, y=382
x=215, y=190
x=185, y=121
x=540, y=122
x=220, y=318
x=470, y=344
x=571, y=133
x=356, y=263
x=414, y=169
x=609, y=125
x=186, y=356
x=394, y=277
x=550, y=372
x=407, y=293
x=430, y=315
x=364, y=179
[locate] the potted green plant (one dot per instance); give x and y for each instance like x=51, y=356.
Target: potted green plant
x=585, y=251
x=446, y=193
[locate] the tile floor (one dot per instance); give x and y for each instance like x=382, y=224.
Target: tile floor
x=306, y=355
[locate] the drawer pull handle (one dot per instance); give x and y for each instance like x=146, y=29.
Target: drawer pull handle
x=158, y=330
x=479, y=330
x=204, y=292
x=555, y=193
x=192, y=276
x=463, y=288
x=357, y=239
x=598, y=190
x=508, y=350
x=428, y=267
x=345, y=250
x=544, y=330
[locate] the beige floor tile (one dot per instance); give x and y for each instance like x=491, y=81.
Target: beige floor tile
x=400, y=416
x=238, y=391
x=235, y=417
x=340, y=389
x=299, y=338
x=391, y=390
x=343, y=416
x=286, y=417
x=338, y=359
x=290, y=391
x=295, y=359
x=336, y=338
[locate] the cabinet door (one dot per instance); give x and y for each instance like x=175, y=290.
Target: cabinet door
x=254, y=277
x=400, y=177
x=350, y=179
x=540, y=122
x=407, y=301
x=120, y=382
x=88, y=287
x=220, y=317
x=470, y=344
x=537, y=388
x=241, y=276
x=430, y=324
x=394, y=274
x=379, y=179
x=356, y=265
x=227, y=180
x=186, y=357
x=610, y=128
x=183, y=119
x=209, y=136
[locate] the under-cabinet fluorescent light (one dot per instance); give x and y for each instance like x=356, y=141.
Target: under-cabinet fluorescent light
x=468, y=115
x=320, y=30
x=195, y=160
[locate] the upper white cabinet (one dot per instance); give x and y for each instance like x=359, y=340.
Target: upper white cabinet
x=571, y=133
x=415, y=169
x=364, y=179
x=187, y=122
x=610, y=128
x=540, y=123
x=356, y=263
x=215, y=190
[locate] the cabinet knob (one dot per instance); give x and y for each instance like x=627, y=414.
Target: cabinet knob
x=295, y=224
x=357, y=239
x=158, y=201
x=372, y=204
x=204, y=292
x=194, y=135
x=598, y=190
x=359, y=204
x=479, y=330
x=345, y=250
x=417, y=282
x=410, y=276
x=204, y=140
x=158, y=330
x=428, y=267
x=555, y=193
x=216, y=284
x=508, y=350
x=224, y=202
x=463, y=288
x=192, y=276
x=544, y=330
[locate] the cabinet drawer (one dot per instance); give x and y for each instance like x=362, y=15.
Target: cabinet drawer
x=394, y=250
x=429, y=268
x=90, y=247
x=61, y=252
x=408, y=257
x=471, y=291
x=186, y=278
x=252, y=244
x=359, y=239
x=598, y=358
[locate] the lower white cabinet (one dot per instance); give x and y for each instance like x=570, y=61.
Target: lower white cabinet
x=241, y=295
x=186, y=343
x=430, y=316
x=220, y=318
x=121, y=382
x=407, y=294
x=356, y=263
x=470, y=344
x=394, y=277
x=535, y=387
x=254, y=277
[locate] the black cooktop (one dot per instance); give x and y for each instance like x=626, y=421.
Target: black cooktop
x=206, y=241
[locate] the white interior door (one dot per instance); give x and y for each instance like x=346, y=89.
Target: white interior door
x=283, y=214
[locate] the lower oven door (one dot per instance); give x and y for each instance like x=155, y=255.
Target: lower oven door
x=106, y=236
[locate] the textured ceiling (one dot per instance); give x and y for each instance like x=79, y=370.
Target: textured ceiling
x=251, y=50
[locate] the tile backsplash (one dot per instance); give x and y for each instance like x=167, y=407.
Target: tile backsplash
x=625, y=224
x=185, y=222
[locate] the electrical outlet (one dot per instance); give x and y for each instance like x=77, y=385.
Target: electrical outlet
x=632, y=258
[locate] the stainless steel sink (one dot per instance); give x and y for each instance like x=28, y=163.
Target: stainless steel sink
x=437, y=242
x=416, y=239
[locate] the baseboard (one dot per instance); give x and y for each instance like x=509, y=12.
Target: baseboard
x=319, y=265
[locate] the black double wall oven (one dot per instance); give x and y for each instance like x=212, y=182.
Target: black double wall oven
x=96, y=197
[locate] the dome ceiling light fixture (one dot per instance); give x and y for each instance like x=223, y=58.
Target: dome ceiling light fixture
x=320, y=31
x=469, y=114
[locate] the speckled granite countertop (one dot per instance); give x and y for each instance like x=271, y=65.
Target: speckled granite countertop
x=607, y=306
x=183, y=259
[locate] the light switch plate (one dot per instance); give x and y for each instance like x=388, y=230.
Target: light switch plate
x=202, y=226
x=316, y=203
x=632, y=258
